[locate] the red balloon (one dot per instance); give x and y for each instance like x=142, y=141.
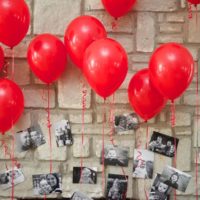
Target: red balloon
x=105, y=66
x=1, y=58
x=14, y=21
x=80, y=33
x=171, y=69
x=143, y=97
x=11, y=104
x=118, y=8
x=47, y=57
x=194, y=1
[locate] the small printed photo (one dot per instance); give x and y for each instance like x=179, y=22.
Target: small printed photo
x=30, y=138
x=143, y=164
x=7, y=176
x=126, y=122
x=159, y=190
x=80, y=196
x=45, y=184
x=116, y=187
x=63, y=133
x=86, y=176
x=163, y=144
x=115, y=156
x=175, y=178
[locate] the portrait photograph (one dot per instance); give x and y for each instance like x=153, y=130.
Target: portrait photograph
x=143, y=164
x=163, y=144
x=115, y=156
x=63, y=133
x=175, y=178
x=126, y=122
x=159, y=190
x=79, y=196
x=86, y=176
x=30, y=138
x=116, y=187
x=7, y=176
x=45, y=184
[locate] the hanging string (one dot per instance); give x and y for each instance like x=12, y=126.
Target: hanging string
x=147, y=135
x=114, y=24
x=197, y=123
x=13, y=64
x=103, y=145
x=189, y=10
x=196, y=15
x=49, y=126
x=84, y=95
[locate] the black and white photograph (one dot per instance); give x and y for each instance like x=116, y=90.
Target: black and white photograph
x=163, y=144
x=115, y=156
x=159, y=190
x=85, y=176
x=8, y=176
x=30, y=138
x=143, y=164
x=63, y=133
x=175, y=178
x=79, y=196
x=45, y=184
x=116, y=187
x=126, y=122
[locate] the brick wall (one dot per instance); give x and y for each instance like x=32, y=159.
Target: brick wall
x=152, y=22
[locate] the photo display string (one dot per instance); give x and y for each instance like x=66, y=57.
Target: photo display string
x=111, y=134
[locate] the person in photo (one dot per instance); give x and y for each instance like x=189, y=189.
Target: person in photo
x=86, y=176
x=159, y=193
x=157, y=145
x=114, y=192
x=173, y=180
x=140, y=171
x=120, y=122
x=36, y=138
x=132, y=122
x=170, y=148
x=4, y=178
x=53, y=181
x=25, y=140
x=45, y=187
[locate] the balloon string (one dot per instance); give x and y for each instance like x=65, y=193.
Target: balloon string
x=103, y=146
x=13, y=162
x=114, y=24
x=45, y=196
x=84, y=94
x=173, y=117
x=13, y=64
x=189, y=11
x=147, y=134
x=197, y=122
x=49, y=126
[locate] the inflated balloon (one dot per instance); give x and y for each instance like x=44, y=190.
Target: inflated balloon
x=171, y=69
x=143, y=97
x=80, y=33
x=195, y=2
x=11, y=104
x=14, y=21
x=105, y=66
x=118, y=8
x=1, y=58
x=47, y=57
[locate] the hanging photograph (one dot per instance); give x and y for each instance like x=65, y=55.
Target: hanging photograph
x=88, y=175
x=126, y=122
x=80, y=196
x=45, y=184
x=116, y=187
x=30, y=138
x=159, y=190
x=163, y=144
x=7, y=176
x=143, y=164
x=176, y=178
x=63, y=133
x=115, y=155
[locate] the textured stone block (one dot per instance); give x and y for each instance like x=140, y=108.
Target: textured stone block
x=52, y=16
x=194, y=29
x=145, y=33
x=70, y=89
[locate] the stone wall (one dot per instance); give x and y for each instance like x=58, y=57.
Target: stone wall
x=151, y=22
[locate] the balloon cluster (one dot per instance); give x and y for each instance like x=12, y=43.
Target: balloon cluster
x=170, y=72
x=14, y=24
